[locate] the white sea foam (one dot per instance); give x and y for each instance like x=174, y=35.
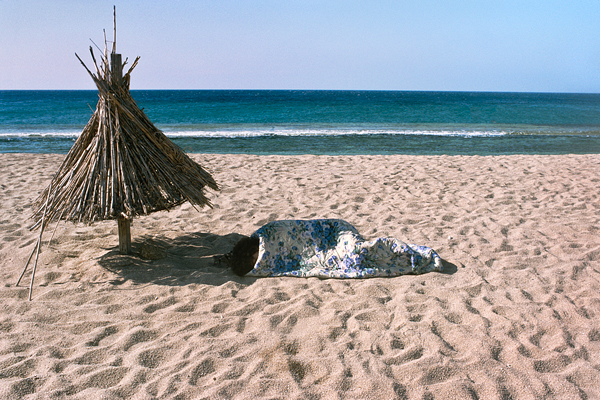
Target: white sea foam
x=326, y=132
x=288, y=132
x=59, y=134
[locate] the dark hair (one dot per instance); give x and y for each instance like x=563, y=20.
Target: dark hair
x=241, y=259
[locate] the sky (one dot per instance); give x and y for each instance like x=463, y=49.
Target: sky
x=439, y=45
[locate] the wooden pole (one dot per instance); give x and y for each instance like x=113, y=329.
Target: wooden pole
x=116, y=69
x=124, y=234
x=116, y=75
x=114, y=49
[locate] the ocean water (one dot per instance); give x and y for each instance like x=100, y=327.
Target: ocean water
x=322, y=122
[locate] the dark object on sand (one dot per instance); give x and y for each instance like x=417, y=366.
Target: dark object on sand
x=327, y=248
x=242, y=258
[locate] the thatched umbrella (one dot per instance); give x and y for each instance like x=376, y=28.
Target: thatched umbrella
x=121, y=166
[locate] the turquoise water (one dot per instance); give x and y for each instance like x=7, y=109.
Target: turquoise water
x=322, y=122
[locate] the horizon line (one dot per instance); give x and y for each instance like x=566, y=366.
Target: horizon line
x=312, y=90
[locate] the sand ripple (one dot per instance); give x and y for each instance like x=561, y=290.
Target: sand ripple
x=515, y=315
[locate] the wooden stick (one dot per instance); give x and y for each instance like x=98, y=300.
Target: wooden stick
x=38, y=244
x=37, y=254
x=114, y=49
x=124, y=234
x=55, y=228
x=27, y=263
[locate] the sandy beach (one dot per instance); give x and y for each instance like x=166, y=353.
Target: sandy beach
x=515, y=315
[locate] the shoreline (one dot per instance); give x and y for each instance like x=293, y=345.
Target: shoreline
x=419, y=143
x=516, y=315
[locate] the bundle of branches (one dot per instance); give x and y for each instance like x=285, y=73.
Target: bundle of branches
x=121, y=165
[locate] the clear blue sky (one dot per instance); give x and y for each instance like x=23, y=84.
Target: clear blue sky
x=465, y=45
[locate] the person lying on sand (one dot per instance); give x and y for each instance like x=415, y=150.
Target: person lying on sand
x=326, y=248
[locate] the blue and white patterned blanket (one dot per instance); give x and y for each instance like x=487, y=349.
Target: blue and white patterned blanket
x=332, y=248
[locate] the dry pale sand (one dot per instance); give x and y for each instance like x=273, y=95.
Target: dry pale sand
x=516, y=315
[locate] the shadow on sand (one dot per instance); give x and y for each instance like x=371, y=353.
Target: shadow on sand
x=186, y=259
x=449, y=268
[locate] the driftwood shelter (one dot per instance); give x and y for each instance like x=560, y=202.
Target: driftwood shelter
x=121, y=166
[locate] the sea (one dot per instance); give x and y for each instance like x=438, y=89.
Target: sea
x=291, y=122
